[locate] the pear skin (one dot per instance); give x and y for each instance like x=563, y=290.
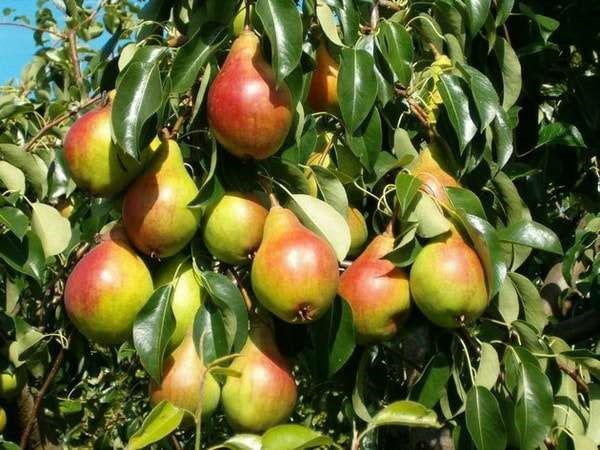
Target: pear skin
x=106, y=290
x=188, y=295
x=434, y=177
x=322, y=95
x=265, y=394
x=358, y=231
x=447, y=282
x=295, y=272
x=233, y=228
x=182, y=378
x=156, y=215
x=248, y=113
x=377, y=292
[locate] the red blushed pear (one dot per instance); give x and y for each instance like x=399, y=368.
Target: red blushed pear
x=182, y=381
x=432, y=174
x=265, y=394
x=155, y=209
x=322, y=95
x=295, y=272
x=377, y=292
x=96, y=163
x=106, y=290
x=247, y=111
x=448, y=283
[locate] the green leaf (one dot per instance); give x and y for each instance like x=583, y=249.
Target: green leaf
x=511, y=72
x=25, y=256
x=15, y=220
x=426, y=212
x=158, y=424
x=334, y=337
x=593, y=427
x=558, y=133
x=477, y=12
x=430, y=386
x=534, y=407
x=53, y=229
x=407, y=188
x=466, y=200
x=405, y=413
x=365, y=142
x=508, y=301
x=532, y=302
x=152, y=330
x=457, y=107
x=324, y=220
x=328, y=22
x=503, y=138
x=396, y=46
x=293, y=437
x=531, y=234
x=139, y=96
x=283, y=27
x=489, y=367
x=356, y=75
x=504, y=9
x=358, y=393
x=331, y=188
x=243, y=441
x=12, y=178
x=484, y=420
x=210, y=335
x=484, y=95
x=33, y=167
x=582, y=442
x=227, y=297
x=26, y=337
x=193, y=56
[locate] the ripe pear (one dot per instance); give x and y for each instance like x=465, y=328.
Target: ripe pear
x=106, y=290
x=233, y=227
x=265, y=393
x=182, y=377
x=295, y=272
x=188, y=295
x=249, y=113
x=358, y=231
x=156, y=215
x=447, y=281
x=377, y=292
x=433, y=176
x=322, y=95
x=96, y=163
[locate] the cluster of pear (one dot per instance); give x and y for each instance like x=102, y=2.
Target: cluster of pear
x=294, y=272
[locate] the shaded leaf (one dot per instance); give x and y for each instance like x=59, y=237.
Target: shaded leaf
x=511, y=72
x=484, y=421
x=431, y=385
x=158, y=424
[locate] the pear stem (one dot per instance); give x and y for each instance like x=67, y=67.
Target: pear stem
x=242, y=289
x=248, y=16
x=274, y=201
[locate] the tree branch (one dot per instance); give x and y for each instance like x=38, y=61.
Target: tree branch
x=29, y=27
x=577, y=329
x=574, y=374
x=72, y=38
x=241, y=287
x=390, y=5
x=40, y=397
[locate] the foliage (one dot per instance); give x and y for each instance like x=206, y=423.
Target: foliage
x=507, y=89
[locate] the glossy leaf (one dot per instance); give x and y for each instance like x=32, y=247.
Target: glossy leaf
x=158, y=424
x=466, y=200
x=511, y=72
x=405, y=413
x=457, y=107
x=484, y=95
x=328, y=22
x=407, y=188
x=431, y=385
x=532, y=302
x=53, y=229
x=484, y=420
x=356, y=75
x=25, y=255
x=395, y=43
x=293, y=437
x=531, y=234
x=477, y=12
x=152, y=330
x=503, y=138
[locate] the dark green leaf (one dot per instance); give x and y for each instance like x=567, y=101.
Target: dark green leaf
x=152, y=330
x=331, y=188
x=25, y=256
x=484, y=95
x=431, y=385
x=356, y=76
x=396, y=46
x=33, y=167
x=511, y=72
x=407, y=187
x=532, y=302
x=484, y=420
x=466, y=200
x=457, y=107
x=504, y=9
x=283, y=26
x=503, y=138
x=210, y=335
x=531, y=234
x=559, y=133
x=477, y=12
x=366, y=141
x=14, y=220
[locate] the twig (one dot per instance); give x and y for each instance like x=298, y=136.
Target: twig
x=574, y=374
x=374, y=15
x=59, y=120
x=241, y=287
x=72, y=37
x=29, y=27
x=577, y=329
x=390, y=5
x=175, y=443
x=40, y=398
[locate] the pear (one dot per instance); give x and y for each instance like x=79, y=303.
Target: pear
x=188, y=295
x=248, y=112
x=322, y=95
x=377, y=292
x=429, y=168
x=3, y=419
x=447, y=281
x=233, y=227
x=358, y=231
x=265, y=393
x=106, y=290
x=295, y=272
x=322, y=159
x=182, y=379
x=155, y=209
x=11, y=384
x=96, y=163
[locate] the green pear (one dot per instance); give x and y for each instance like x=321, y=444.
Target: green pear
x=106, y=290
x=188, y=295
x=11, y=384
x=358, y=231
x=182, y=381
x=156, y=215
x=447, y=281
x=3, y=419
x=295, y=272
x=265, y=394
x=233, y=227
